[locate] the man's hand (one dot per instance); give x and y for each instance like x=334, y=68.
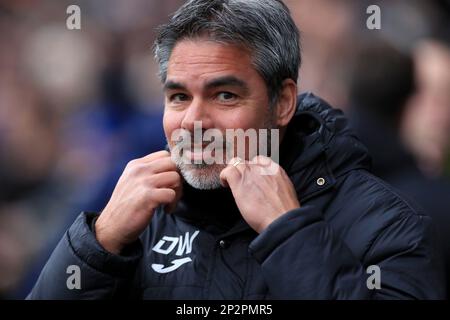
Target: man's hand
x=145, y=184
x=262, y=190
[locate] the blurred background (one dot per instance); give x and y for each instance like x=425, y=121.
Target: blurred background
x=77, y=105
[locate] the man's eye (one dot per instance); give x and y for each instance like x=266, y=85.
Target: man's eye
x=178, y=97
x=226, y=96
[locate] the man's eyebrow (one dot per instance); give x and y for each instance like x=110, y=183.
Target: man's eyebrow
x=218, y=82
x=172, y=85
x=227, y=81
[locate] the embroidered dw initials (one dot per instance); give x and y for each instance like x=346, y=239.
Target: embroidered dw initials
x=184, y=247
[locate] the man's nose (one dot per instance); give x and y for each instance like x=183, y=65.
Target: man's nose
x=197, y=111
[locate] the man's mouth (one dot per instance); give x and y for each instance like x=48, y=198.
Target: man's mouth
x=200, y=152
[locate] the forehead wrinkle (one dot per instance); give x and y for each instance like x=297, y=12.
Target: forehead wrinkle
x=215, y=54
x=195, y=65
x=202, y=77
x=218, y=66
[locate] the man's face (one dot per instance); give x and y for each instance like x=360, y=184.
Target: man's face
x=217, y=85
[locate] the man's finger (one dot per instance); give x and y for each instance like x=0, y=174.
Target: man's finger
x=229, y=176
x=155, y=155
x=265, y=165
x=164, y=195
x=233, y=172
x=169, y=179
x=163, y=165
x=261, y=160
x=170, y=207
x=238, y=163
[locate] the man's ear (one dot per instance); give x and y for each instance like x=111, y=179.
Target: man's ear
x=287, y=103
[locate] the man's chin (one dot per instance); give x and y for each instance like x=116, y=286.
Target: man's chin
x=202, y=177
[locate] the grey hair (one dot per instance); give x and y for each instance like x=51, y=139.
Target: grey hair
x=264, y=27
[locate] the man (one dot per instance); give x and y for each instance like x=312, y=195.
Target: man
x=311, y=229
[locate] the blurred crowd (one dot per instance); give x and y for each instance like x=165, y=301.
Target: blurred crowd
x=77, y=105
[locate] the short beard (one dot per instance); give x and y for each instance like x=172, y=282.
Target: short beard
x=207, y=176
x=201, y=176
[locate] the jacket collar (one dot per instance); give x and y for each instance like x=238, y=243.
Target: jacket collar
x=319, y=146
